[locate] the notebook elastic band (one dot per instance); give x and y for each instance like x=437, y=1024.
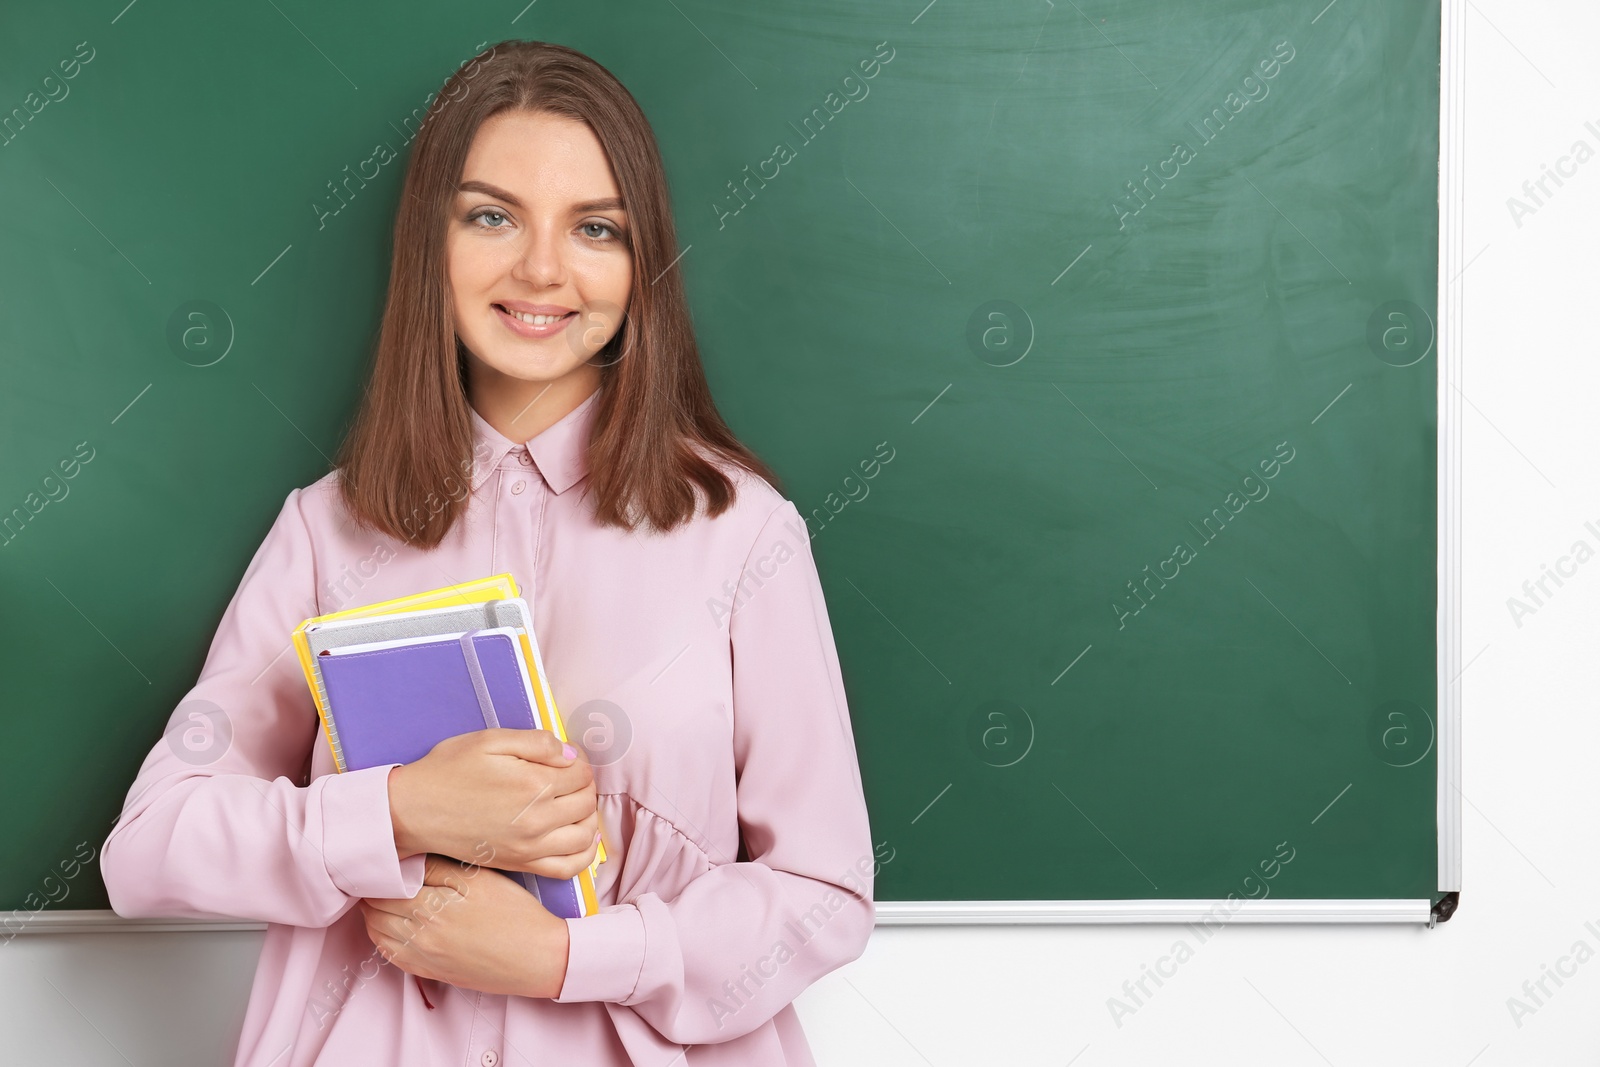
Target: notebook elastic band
x=469, y=651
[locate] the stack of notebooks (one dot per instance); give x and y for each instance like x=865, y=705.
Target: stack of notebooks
x=393, y=679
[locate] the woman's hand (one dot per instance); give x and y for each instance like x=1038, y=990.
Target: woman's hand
x=472, y=927
x=508, y=796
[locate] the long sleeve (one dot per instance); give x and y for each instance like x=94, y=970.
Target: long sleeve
x=745, y=938
x=214, y=824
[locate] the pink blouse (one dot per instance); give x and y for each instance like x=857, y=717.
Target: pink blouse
x=698, y=670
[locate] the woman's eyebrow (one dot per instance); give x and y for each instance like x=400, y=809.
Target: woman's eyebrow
x=611, y=203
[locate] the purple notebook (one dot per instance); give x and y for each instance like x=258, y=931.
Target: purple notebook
x=392, y=705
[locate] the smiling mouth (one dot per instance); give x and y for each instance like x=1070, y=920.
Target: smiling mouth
x=533, y=320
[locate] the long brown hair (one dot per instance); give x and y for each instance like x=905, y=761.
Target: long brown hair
x=405, y=466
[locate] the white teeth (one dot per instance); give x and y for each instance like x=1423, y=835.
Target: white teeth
x=536, y=320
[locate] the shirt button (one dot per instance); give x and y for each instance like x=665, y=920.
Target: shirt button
x=517, y=487
x=524, y=459
x=490, y=1057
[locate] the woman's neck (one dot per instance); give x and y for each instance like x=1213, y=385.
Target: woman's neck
x=520, y=409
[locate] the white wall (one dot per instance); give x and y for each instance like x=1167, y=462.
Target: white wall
x=1362, y=997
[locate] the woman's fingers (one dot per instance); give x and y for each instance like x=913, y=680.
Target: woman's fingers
x=536, y=746
x=568, y=850
x=566, y=866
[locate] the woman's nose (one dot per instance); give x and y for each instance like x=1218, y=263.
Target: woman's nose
x=539, y=261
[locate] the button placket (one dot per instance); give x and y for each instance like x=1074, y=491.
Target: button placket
x=519, y=515
x=517, y=478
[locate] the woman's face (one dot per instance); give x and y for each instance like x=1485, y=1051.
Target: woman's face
x=537, y=248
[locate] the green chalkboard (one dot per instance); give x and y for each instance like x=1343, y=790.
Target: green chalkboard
x=1127, y=310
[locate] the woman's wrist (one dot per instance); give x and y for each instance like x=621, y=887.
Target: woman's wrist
x=549, y=958
x=405, y=842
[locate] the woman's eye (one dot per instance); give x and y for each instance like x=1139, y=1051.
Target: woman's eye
x=480, y=215
x=602, y=227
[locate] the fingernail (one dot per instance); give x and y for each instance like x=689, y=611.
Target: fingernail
x=569, y=751
x=596, y=837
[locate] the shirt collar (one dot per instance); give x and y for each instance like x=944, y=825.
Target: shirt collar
x=559, y=450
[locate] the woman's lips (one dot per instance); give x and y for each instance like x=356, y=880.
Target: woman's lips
x=528, y=329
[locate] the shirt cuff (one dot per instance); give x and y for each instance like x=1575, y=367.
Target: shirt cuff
x=358, y=845
x=605, y=956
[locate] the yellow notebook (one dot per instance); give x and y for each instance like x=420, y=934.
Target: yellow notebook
x=494, y=587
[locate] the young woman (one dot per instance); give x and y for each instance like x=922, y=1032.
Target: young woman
x=537, y=406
